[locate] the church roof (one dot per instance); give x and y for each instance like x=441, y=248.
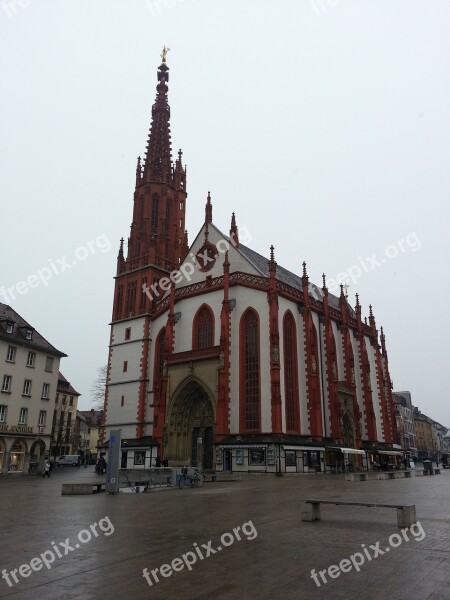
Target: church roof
x=261, y=263
x=19, y=332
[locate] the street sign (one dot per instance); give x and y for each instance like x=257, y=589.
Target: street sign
x=112, y=468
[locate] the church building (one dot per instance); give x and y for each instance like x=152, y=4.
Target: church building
x=221, y=358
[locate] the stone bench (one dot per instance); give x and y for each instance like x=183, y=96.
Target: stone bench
x=77, y=489
x=357, y=477
x=217, y=477
x=386, y=475
x=402, y=474
x=406, y=514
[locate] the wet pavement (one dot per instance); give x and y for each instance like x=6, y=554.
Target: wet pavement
x=272, y=559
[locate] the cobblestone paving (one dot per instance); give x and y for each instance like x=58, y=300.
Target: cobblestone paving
x=154, y=529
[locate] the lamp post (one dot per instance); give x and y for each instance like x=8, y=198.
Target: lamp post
x=279, y=473
x=199, y=453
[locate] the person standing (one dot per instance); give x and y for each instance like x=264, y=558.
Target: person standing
x=47, y=470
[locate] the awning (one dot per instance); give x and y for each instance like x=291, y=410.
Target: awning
x=347, y=450
x=310, y=448
x=394, y=452
x=246, y=446
x=352, y=451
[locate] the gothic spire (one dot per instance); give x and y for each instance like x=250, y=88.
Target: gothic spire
x=234, y=234
x=158, y=160
x=208, y=209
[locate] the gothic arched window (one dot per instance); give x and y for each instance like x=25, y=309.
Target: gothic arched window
x=290, y=374
x=160, y=357
x=155, y=211
x=250, y=410
x=203, y=329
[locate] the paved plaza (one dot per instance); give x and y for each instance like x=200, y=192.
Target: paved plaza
x=272, y=560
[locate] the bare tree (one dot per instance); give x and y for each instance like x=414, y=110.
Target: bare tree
x=62, y=429
x=98, y=388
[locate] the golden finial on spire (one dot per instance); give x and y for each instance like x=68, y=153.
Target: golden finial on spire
x=164, y=54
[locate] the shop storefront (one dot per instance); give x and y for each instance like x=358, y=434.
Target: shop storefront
x=135, y=454
x=2, y=455
x=303, y=459
x=270, y=458
x=261, y=458
x=345, y=460
x=385, y=460
x=17, y=457
x=137, y=458
x=390, y=459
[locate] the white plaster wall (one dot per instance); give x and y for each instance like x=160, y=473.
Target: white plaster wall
x=188, y=309
x=126, y=383
x=120, y=416
x=38, y=376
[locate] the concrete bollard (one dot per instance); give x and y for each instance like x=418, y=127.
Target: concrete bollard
x=406, y=516
x=311, y=512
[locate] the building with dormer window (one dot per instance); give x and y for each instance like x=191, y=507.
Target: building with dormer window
x=64, y=440
x=29, y=367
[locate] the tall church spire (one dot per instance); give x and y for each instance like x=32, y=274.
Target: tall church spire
x=158, y=238
x=158, y=160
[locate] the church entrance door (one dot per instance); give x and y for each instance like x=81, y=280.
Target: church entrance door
x=190, y=426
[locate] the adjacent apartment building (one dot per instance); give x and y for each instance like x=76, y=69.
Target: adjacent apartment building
x=91, y=429
x=404, y=414
x=426, y=435
x=29, y=367
x=63, y=428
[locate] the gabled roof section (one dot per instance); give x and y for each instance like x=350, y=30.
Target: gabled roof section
x=19, y=333
x=256, y=262
x=65, y=387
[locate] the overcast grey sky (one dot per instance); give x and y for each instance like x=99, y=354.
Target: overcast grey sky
x=324, y=125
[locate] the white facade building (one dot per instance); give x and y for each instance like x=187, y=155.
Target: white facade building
x=29, y=368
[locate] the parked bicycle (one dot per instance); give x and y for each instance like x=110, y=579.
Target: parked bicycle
x=196, y=480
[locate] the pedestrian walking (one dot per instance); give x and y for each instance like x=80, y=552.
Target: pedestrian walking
x=47, y=470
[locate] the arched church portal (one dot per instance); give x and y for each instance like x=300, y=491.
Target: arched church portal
x=190, y=417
